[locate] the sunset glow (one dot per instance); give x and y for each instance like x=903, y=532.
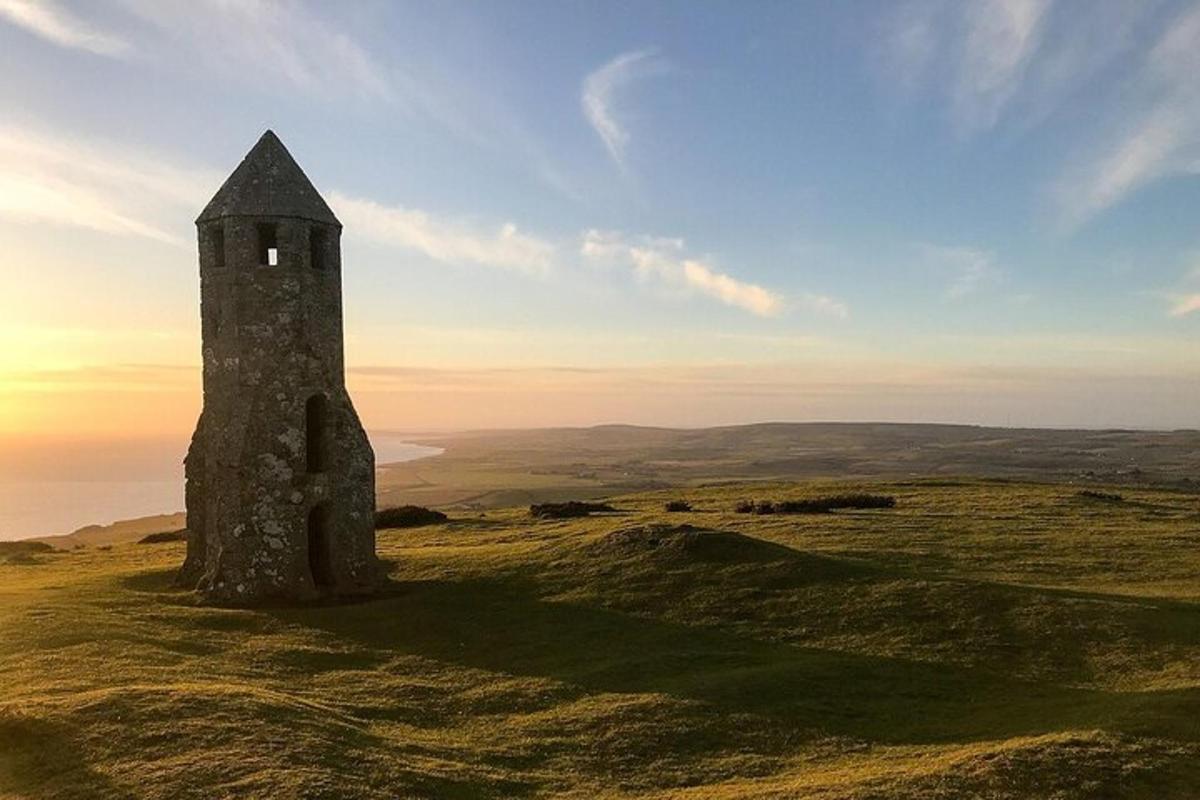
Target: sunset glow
x=526, y=249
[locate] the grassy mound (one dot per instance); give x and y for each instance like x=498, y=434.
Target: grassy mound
x=22, y=552
x=689, y=542
x=982, y=640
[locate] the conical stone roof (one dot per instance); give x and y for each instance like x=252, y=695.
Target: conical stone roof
x=268, y=183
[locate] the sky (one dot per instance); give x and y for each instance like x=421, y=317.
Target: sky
x=665, y=213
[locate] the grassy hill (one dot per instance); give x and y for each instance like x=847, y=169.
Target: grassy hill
x=981, y=639
x=122, y=531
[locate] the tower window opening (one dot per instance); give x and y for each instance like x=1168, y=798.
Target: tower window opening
x=319, y=547
x=316, y=246
x=315, y=435
x=268, y=246
x=216, y=240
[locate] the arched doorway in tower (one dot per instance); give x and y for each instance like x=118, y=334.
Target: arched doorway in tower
x=320, y=555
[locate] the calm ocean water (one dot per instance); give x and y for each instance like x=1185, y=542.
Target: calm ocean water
x=42, y=507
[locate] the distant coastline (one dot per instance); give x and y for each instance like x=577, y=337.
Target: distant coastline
x=40, y=508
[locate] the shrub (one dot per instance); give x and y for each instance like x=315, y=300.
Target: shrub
x=407, y=517
x=801, y=507
x=164, y=536
x=1107, y=497
x=764, y=507
x=567, y=510
x=678, y=505
x=862, y=501
x=744, y=507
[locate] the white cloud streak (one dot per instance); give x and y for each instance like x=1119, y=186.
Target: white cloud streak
x=443, y=240
x=52, y=180
x=58, y=26
x=1158, y=135
x=599, y=97
x=266, y=39
x=664, y=260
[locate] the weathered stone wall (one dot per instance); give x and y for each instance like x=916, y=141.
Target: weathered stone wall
x=272, y=339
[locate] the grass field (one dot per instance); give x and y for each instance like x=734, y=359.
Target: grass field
x=982, y=639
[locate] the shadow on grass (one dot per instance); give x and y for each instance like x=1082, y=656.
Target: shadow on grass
x=157, y=581
x=504, y=627
x=41, y=759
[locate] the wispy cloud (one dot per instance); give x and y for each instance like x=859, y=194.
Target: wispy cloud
x=55, y=24
x=444, y=240
x=992, y=61
x=1158, y=133
x=1020, y=60
x=967, y=270
x=599, y=96
x=823, y=304
x=266, y=39
x=51, y=179
x=910, y=39
x=1001, y=37
x=1186, y=299
x=665, y=260
x=1183, y=305
x=982, y=51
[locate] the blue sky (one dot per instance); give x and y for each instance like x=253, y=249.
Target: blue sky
x=572, y=213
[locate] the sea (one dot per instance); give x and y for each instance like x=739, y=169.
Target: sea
x=101, y=490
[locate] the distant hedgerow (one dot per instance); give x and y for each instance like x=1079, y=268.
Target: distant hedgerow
x=678, y=505
x=567, y=510
x=816, y=505
x=407, y=517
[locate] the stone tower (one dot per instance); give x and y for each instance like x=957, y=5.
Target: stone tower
x=280, y=475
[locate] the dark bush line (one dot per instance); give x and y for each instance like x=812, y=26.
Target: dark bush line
x=1108, y=497
x=816, y=505
x=407, y=517
x=22, y=552
x=164, y=536
x=678, y=505
x=567, y=510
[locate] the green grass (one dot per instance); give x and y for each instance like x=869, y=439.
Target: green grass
x=981, y=639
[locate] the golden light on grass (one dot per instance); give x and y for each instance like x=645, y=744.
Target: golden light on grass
x=980, y=639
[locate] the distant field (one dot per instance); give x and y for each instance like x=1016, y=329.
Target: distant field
x=497, y=469
x=502, y=468
x=984, y=638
